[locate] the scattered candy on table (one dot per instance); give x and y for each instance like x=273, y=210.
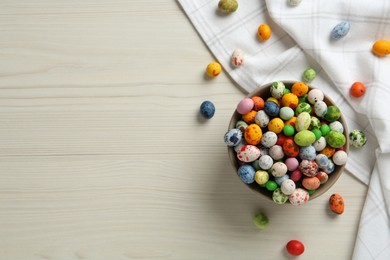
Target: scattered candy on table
x=357, y=138
x=207, y=109
x=336, y=203
x=264, y=32
x=340, y=30
x=357, y=89
x=309, y=74
x=237, y=58
x=213, y=69
x=261, y=221
x=227, y=6
x=381, y=48
x=295, y=247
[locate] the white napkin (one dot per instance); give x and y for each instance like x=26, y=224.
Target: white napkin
x=301, y=38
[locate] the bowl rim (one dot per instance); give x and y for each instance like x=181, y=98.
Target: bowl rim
x=333, y=177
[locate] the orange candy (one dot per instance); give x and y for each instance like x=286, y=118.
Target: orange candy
x=299, y=89
x=249, y=117
x=291, y=121
x=290, y=148
x=336, y=203
x=264, y=32
x=328, y=151
x=258, y=103
x=290, y=100
x=357, y=89
x=253, y=134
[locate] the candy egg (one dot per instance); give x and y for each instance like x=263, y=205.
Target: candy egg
x=322, y=160
x=233, y=137
x=246, y=173
x=207, y=109
x=288, y=130
x=381, y=48
x=314, y=96
x=328, y=151
x=290, y=148
x=286, y=113
x=261, y=221
x=329, y=168
x=281, y=179
x=337, y=126
x=290, y=100
x=303, y=121
x=266, y=162
x=295, y=247
x=249, y=117
x=258, y=103
x=276, y=152
x=340, y=157
x=299, y=89
x=227, y=6
x=307, y=153
x=314, y=123
x=269, y=139
x=304, y=138
x=296, y=175
x=322, y=176
x=264, y=32
x=253, y=134
x=261, y=177
x=336, y=203
x=325, y=129
x=309, y=74
x=308, y=168
x=248, y=153
x=237, y=58
x=357, y=89
x=271, y=185
x=245, y=106
x=358, y=138
x=262, y=119
x=288, y=187
x=213, y=69
x=276, y=125
x=291, y=121
x=278, y=169
x=311, y=183
x=320, y=108
x=299, y=197
x=340, y=30
x=332, y=114
x=294, y=2
x=335, y=139
x=292, y=163
x=277, y=89
x=302, y=107
x=241, y=125
x=271, y=108
x=317, y=132
x=279, y=197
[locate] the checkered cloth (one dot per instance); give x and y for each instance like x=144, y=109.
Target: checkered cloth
x=300, y=39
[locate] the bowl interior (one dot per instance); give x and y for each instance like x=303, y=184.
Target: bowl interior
x=264, y=92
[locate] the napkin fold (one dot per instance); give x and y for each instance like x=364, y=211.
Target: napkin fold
x=300, y=39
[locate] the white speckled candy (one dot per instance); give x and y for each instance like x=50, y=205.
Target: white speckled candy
x=336, y=126
x=269, y=139
x=322, y=160
x=299, y=197
x=248, y=153
x=279, y=197
x=303, y=121
x=320, y=108
x=266, y=162
x=320, y=144
x=314, y=96
x=233, y=137
x=262, y=119
x=286, y=113
x=237, y=58
x=340, y=158
x=307, y=153
x=340, y=30
x=278, y=169
x=329, y=168
x=288, y=187
x=277, y=89
x=276, y=152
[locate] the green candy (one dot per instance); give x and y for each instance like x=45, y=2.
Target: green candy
x=288, y=130
x=279, y=197
x=304, y=138
x=309, y=74
x=303, y=99
x=332, y=114
x=311, y=192
x=325, y=129
x=358, y=138
x=315, y=123
x=303, y=107
x=227, y=6
x=271, y=185
x=261, y=221
x=335, y=139
x=317, y=132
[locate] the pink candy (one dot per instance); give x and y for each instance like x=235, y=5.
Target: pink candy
x=245, y=106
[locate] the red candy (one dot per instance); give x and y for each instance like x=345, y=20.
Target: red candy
x=357, y=89
x=295, y=247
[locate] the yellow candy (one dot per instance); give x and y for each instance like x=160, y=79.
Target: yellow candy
x=299, y=89
x=264, y=32
x=276, y=125
x=249, y=117
x=261, y=177
x=290, y=100
x=381, y=48
x=253, y=134
x=213, y=69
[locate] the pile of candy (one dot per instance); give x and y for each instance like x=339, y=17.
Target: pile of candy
x=288, y=143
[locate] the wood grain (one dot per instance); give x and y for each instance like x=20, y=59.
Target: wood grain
x=103, y=155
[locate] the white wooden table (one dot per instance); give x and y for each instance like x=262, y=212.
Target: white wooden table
x=102, y=153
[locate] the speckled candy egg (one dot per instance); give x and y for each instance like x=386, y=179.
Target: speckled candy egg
x=304, y=138
x=332, y=114
x=276, y=152
x=207, y=109
x=320, y=144
x=288, y=187
x=242, y=125
x=246, y=173
x=290, y=148
x=322, y=160
x=314, y=123
x=358, y=138
x=302, y=107
x=264, y=32
x=322, y=176
x=329, y=168
x=309, y=74
x=311, y=183
x=279, y=197
x=258, y=103
x=276, y=125
x=266, y=162
x=249, y=117
x=340, y=157
x=277, y=89
x=335, y=139
x=245, y=106
x=269, y=139
x=262, y=119
x=278, y=169
x=328, y=151
x=320, y=108
x=308, y=168
x=307, y=153
x=227, y=6
x=290, y=100
x=261, y=177
x=337, y=126
x=271, y=108
x=303, y=121
x=253, y=134
x=314, y=96
x=248, y=153
x=286, y=113
x=299, y=89
x=299, y=197
x=296, y=175
x=292, y=164
x=340, y=30
x=281, y=179
x=237, y=58
x=381, y=48
x=233, y=137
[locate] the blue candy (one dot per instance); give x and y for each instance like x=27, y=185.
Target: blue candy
x=207, y=109
x=233, y=137
x=246, y=173
x=279, y=180
x=340, y=30
x=271, y=109
x=307, y=153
